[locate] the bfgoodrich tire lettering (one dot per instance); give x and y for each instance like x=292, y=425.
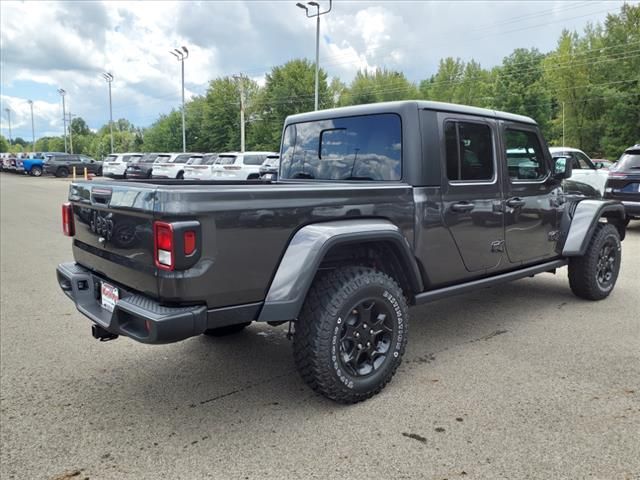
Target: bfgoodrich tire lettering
x=594, y=275
x=320, y=350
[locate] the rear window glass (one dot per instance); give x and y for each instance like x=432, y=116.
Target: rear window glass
x=253, y=159
x=226, y=160
x=628, y=161
x=145, y=158
x=203, y=160
x=182, y=158
x=131, y=158
x=112, y=158
x=163, y=159
x=366, y=147
x=193, y=159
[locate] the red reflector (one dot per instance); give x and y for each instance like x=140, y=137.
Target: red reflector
x=68, y=226
x=189, y=242
x=163, y=245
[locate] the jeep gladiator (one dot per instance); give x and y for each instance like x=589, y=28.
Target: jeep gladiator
x=376, y=208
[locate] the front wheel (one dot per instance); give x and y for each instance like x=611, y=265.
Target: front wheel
x=351, y=334
x=594, y=275
x=36, y=171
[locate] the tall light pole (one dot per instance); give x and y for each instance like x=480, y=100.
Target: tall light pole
x=109, y=78
x=71, y=115
x=33, y=130
x=240, y=78
x=9, y=117
x=317, y=16
x=182, y=55
x=64, y=117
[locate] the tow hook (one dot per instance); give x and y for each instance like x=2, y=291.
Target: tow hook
x=101, y=334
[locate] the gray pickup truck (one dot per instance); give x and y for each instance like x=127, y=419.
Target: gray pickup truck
x=376, y=208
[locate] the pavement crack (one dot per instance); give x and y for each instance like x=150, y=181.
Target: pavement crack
x=244, y=389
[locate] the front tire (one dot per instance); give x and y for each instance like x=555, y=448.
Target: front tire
x=594, y=275
x=36, y=171
x=351, y=334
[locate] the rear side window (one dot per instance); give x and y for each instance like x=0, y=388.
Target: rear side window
x=226, y=160
x=525, y=158
x=253, y=159
x=367, y=147
x=469, y=151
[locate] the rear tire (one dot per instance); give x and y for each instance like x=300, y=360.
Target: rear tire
x=228, y=330
x=62, y=172
x=36, y=171
x=351, y=333
x=594, y=275
x=180, y=176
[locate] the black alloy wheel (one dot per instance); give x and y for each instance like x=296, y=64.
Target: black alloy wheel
x=365, y=337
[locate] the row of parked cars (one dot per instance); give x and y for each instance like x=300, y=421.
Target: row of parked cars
x=193, y=166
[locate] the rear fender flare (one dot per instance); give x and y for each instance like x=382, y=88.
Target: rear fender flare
x=585, y=219
x=308, y=248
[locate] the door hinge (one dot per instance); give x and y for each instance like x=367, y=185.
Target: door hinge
x=497, y=246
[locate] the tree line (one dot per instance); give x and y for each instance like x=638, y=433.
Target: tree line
x=588, y=87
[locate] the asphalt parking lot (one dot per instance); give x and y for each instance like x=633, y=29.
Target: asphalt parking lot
x=518, y=381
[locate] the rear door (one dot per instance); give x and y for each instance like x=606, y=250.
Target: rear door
x=471, y=190
x=530, y=207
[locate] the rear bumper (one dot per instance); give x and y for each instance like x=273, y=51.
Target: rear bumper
x=142, y=318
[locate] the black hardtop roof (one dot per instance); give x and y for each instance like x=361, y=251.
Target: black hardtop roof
x=398, y=107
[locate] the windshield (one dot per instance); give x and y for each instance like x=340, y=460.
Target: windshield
x=226, y=159
x=367, y=147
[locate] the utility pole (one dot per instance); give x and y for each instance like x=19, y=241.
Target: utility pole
x=182, y=55
x=33, y=130
x=240, y=79
x=64, y=117
x=9, y=117
x=109, y=78
x=317, y=16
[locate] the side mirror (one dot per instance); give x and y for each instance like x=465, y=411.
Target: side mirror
x=562, y=168
x=598, y=165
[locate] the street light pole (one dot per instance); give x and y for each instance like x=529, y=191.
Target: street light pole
x=33, y=130
x=240, y=78
x=109, y=78
x=71, y=115
x=317, y=16
x=182, y=55
x=9, y=118
x=64, y=117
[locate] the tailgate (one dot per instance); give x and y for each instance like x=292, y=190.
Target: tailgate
x=114, y=232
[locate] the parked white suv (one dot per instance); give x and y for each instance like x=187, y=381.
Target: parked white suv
x=238, y=166
x=584, y=170
x=174, y=166
x=115, y=165
x=201, y=168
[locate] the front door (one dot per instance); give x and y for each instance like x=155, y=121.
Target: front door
x=471, y=192
x=531, y=195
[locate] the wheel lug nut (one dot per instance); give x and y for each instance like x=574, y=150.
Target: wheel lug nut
x=365, y=326
x=371, y=332
x=368, y=344
x=357, y=335
x=359, y=345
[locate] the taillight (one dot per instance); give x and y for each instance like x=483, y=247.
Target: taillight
x=189, y=242
x=163, y=247
x=68, y=227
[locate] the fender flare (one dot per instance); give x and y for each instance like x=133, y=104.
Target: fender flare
x=307, y=249
x=585, y=219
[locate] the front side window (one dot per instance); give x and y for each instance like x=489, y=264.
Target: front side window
x=469, y=151
x=583, y=160
x=525, y=158
x=367, y=147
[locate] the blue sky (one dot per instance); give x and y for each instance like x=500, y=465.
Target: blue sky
x=68, y=44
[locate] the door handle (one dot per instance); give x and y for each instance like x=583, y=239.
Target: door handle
x=515, y=202
x=462, y=207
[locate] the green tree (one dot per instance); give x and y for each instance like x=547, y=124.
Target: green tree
x=4, y=144
x=443, y=85
x=79, y=127
x=380, y=86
